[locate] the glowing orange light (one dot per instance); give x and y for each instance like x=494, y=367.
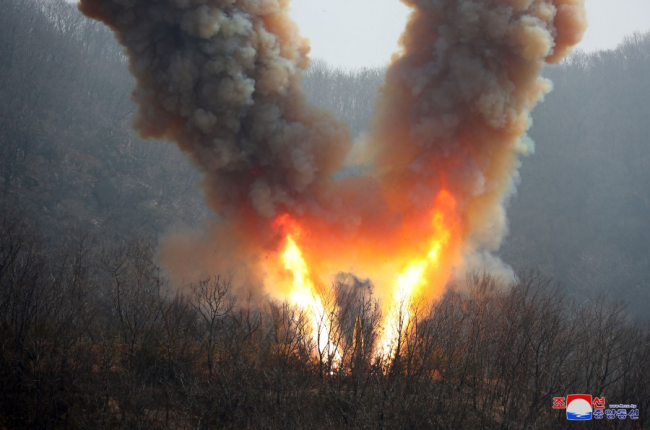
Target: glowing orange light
x=422, y=271
x=410, y=282
x=304, y=293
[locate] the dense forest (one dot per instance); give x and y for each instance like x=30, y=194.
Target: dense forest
x=92, y=333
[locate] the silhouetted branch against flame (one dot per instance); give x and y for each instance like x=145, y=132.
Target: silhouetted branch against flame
x=429, y=270
x=303, y=293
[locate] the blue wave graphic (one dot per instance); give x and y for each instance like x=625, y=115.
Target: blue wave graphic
x=571, y=416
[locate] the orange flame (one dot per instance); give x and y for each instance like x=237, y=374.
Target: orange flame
x=426, y=266
x=303, y=292
x=420, y=272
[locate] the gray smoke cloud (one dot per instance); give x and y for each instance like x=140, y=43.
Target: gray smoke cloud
x=456, y=107
x=222, y=78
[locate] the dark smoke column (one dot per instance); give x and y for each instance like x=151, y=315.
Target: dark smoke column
x=221, y=78
x=457, y=101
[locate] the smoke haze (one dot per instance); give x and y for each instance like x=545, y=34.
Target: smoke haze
x=456, y=105
x=222, y=79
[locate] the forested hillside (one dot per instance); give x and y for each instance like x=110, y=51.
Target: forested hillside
x=93, y=335
x=68, y=154
x=582, y=213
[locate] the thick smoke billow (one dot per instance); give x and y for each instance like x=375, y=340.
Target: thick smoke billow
x=221, y=78
x=456, y=105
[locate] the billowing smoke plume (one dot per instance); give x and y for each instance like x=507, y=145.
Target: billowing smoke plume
x=456, y=104
x=222, y=79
